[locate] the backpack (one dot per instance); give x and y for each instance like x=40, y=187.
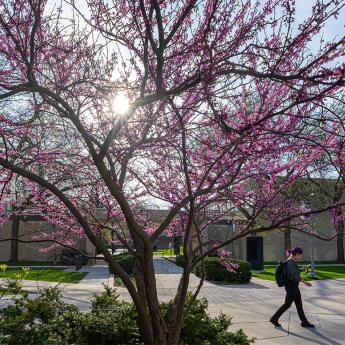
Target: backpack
x=281, y=274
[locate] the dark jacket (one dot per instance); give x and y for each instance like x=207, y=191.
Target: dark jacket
x=293, y=272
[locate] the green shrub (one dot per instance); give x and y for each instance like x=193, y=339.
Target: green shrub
x=126, y=261
x=179, y=260
x=215, y=271
x=199, y=328
x=42, y=321
x=47, y=320
x=110, y=321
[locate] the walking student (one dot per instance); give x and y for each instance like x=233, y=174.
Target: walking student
x=293, y=294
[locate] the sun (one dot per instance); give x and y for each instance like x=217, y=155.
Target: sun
x=120, y=104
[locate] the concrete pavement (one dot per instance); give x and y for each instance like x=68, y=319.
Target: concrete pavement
x=97, y=275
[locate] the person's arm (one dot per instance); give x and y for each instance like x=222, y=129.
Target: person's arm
x=304, y=268
x=306, y=283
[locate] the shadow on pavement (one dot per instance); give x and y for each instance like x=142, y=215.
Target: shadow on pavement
x=240, y=286
x=324, y=340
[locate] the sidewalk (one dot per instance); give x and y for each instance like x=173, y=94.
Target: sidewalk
x=78, y=294
x=97, y=276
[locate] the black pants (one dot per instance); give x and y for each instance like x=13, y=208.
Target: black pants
x=292, y=295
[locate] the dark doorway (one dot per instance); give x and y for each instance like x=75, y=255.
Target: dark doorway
x=255, y=252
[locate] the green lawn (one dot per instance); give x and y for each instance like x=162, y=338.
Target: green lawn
x=323, y=272
x=167, y=252
x=27, y=263
x=46, y=275
x=328, y=263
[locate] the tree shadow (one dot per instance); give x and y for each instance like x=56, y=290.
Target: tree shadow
x=239, y=286
x=322, y=337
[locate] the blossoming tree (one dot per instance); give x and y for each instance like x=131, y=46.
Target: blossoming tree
x=220, y=92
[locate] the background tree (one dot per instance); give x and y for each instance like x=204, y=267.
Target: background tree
x=327, y=178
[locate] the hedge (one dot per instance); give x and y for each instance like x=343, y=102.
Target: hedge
x=126, y=261
x=179, y=260
x=215, y=271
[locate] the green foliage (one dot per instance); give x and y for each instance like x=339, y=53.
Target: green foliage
x=126, y=261
x=179, y=260
x=110, y=321
x=13, y=283
x=42, y=321
x=47, y=320
x=215, y=271
x=199, y=328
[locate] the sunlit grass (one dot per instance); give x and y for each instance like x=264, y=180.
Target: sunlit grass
x=322, y=272
x=167, y=252
x=46, y=274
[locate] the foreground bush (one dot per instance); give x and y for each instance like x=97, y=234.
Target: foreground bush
x=199, y=328
x=215, y=271
x=47, y=320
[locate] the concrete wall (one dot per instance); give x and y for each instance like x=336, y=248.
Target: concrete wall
x=223, y=232
x=273, y=241
x=164, y=242
x=274, y=249
x=323, y=250
x=31, y=251
x=5, y=247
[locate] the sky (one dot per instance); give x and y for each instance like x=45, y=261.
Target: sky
x=333, y=28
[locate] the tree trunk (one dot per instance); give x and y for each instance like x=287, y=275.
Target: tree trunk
x=14, y=235
x=340, y=247
x=287, y=240
x=340, y=242
x=146, y=286
x=178, y=312
x=158, y=324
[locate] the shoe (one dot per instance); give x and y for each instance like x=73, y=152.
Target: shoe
x=307, y=325
x=275, y=323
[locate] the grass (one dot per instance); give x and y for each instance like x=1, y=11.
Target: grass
x=46, y=274
x=323, y=272
x=167, y=252
x=328, y=263
x=27, y=263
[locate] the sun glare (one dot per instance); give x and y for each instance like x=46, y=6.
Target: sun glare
x=120, y=104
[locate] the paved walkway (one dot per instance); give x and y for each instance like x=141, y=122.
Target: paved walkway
x=97, y=275
x=250, y=305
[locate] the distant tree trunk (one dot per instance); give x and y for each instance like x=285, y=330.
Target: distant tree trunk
x=287, y=240
x=14, y=235
x=340, y=247
x=340, y=241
